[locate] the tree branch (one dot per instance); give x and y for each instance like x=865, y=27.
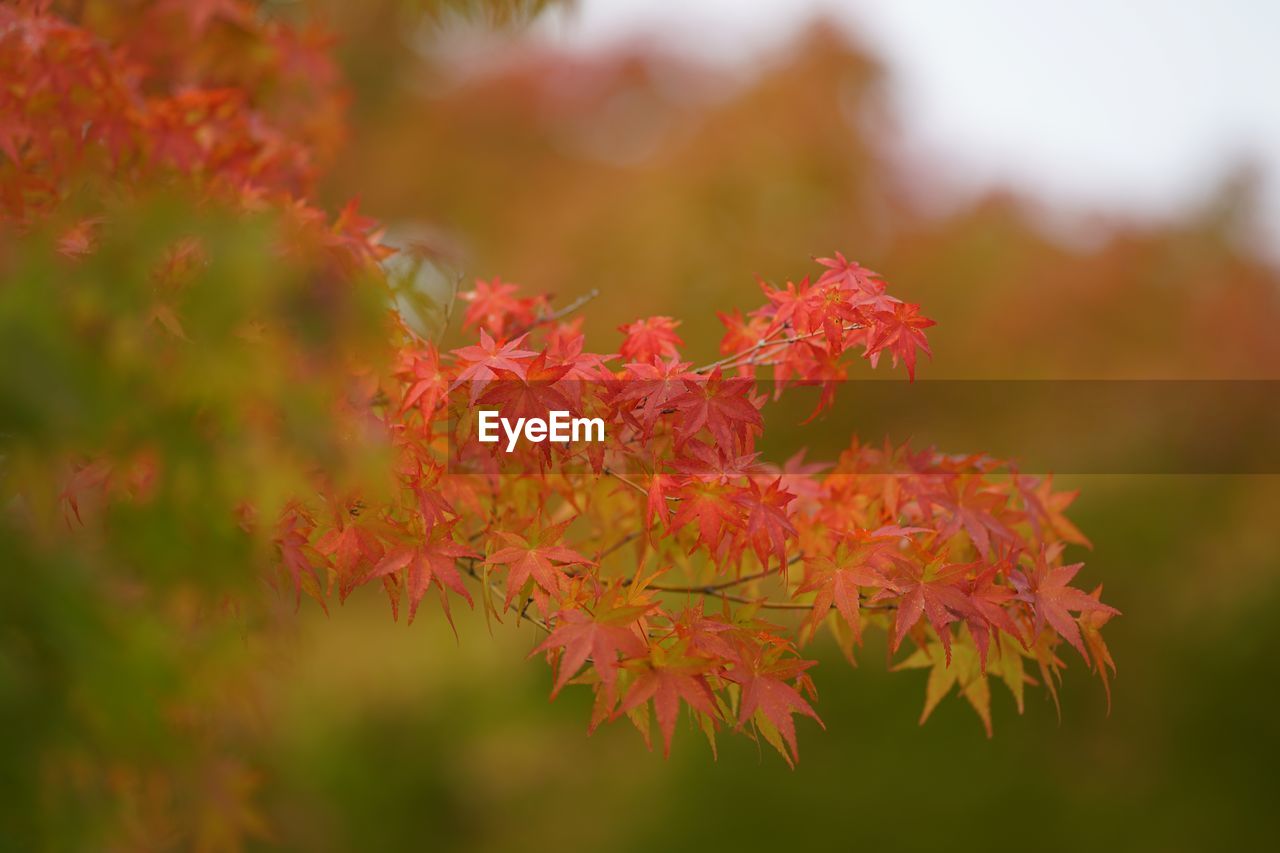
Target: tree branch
x=561, y=313
x=752, y=352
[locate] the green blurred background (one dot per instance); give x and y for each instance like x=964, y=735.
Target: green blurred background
x=668, y=185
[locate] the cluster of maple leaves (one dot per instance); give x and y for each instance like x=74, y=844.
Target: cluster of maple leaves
x=959, y=555
x=672, y=568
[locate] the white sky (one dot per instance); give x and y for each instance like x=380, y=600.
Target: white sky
x=1129, y=105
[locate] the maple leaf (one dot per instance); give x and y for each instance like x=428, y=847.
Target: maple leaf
x=1046, y=589
x=838, y=587
x=945, y=672
x=351, y=547
x=535, y=558
x=741, y=334
x=654, y=385
x=667, y=684
x=705, y=635
x=766, y=521
x=433, y=508
x=1091, y=622
x=989, y=601
x=900, y=332
x=849, y=274
x=1045, y=509
x=428, y=562
x=712, y=507
x=494, y=306
x=292, y=533
x=794, y=306
x=723, y=406
x=699, y=460
x=650, y=339
x=797, y=477
x=602, y=638
x=836, y=578
x=1006, y=663
x=78, y=240
x=765, y=691
x=531, y=393
x=931, y=589
x=977, y=508
x=660, y=489
x=565, y=344
x=481, y=363
x=425, y=382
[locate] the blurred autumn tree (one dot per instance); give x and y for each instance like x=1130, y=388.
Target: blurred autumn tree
x=632, y=163
x=615, y=172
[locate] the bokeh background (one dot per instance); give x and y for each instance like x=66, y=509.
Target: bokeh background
x=1073, y=192
x=1085, y=191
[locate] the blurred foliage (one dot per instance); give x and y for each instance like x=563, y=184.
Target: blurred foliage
x=132, y=651
x=646, y=175
x=668, y=186
x=135, y=706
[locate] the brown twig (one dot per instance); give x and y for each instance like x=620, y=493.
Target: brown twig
x=609, y=472
x=630, y=537
x=752, y=352
x=561, y=313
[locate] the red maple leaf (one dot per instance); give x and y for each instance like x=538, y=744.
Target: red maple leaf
x=494, y=306
x=352, y=548
x=765, y=690
x=767, y=524
x=741, y=333
x=481, y=363
x=932, y=590
x=603, y=638
x=667, y=685
x=654, y=385
x=425, y=382
x=796, y=306
x=427, y=562
x=291, y=538
x=900, y=332
x=712, y=507
x=990, y=609
x=976, y=507
x=857, y=563
x=531, y=393
x=723, y=406
x=650, y=339
x=850, y=275
x=1046, y=589
x=705, y=635
x=538, y=558
x=1045, y=509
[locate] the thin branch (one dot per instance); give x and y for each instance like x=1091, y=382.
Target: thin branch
x=732, y=357
x=765, y=604
x=609, y=472
x=561, y=313
x=630, y=537
x=751, y=353
x=707, y=589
